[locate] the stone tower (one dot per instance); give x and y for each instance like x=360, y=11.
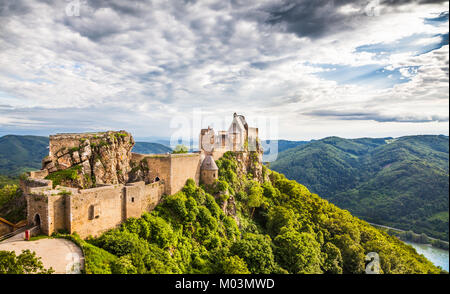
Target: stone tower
x=209, y=171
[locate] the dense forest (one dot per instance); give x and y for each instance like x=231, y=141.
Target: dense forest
x=401, y=182
x=21, y=153
x=246, y=223
x=280, y=145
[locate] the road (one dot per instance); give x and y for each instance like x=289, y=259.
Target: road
x=387, y=227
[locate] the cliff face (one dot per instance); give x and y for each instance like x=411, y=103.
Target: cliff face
x=86, y=160
x=250, y=165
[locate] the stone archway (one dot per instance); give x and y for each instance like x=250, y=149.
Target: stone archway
x=37, y=220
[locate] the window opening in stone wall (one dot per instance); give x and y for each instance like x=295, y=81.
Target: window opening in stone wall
x=91, y=212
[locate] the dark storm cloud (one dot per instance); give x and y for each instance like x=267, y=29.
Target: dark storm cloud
x=99, y=19
x=315, y=19
x=11, y=8
x=126, y=7
x=404, y=2
x=310, y=18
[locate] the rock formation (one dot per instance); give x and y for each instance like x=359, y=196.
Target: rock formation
x=87, y=160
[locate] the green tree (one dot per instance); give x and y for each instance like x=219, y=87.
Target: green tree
x=352, y=254
x=180, y=149
x=7, y=193
x=256, y=251
x=279, y=217
x=122, y=243
x=255, y=196
x=234, y=265
x=123, y=265
x=25, y=263
x=332, y=263
x=299, y=253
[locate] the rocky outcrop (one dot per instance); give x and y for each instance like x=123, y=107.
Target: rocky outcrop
x=250, y=163
x=249, y=166
x=86, y=160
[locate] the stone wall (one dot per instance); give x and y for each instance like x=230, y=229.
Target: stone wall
x=153, y=194
x=57, y=217
x=30, y=184
x=159, y=169
x=96, y=210
x=140, y=197
x=183, y=167
x=37, y=205
x=172, y=170
x=133, y=199
x=90, y=212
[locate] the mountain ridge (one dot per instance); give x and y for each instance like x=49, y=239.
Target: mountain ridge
x=408, y=173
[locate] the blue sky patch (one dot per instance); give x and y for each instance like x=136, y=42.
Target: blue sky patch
x=407, y=44
x=375, y=76
x=443, y=17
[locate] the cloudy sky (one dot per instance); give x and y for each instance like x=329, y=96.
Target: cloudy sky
x=316, y=68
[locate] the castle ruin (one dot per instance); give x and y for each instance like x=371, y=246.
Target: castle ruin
x=92, y=182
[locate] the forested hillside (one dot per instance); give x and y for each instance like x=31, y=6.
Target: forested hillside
x=150, y=148
x=21, y=153
x=400, y=182
x=255, y=221
x=281, y=145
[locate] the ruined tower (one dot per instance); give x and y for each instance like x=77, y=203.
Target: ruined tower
x=209, y=171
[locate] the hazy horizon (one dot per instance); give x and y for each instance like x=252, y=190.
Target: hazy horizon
x=154, y=139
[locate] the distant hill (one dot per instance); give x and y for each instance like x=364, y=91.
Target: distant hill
x=23, y=153
x=150, y=148
x=402, y=182
x=282, y=145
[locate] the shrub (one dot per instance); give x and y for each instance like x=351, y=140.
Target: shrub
x=25, y=263
x=180, y=149
x=256, y=251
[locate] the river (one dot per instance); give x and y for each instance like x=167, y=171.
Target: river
x=437, y=256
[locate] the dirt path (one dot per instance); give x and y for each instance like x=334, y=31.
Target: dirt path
x=62, y=255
